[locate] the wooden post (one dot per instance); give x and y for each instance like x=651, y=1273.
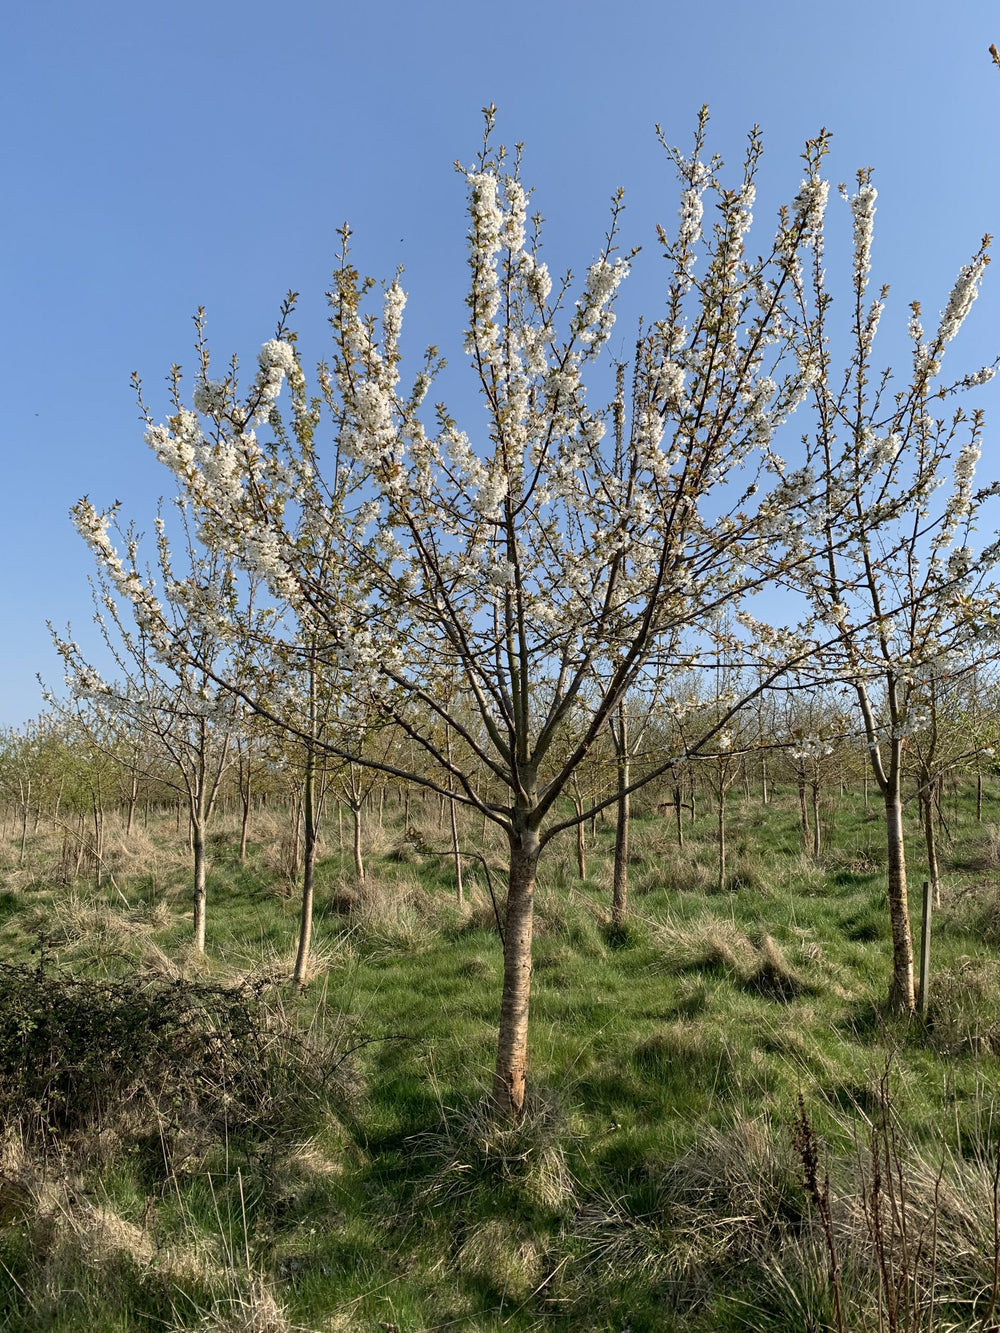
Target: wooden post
x=925, y=951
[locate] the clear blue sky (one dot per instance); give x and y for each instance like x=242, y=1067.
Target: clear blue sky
x=161, y=156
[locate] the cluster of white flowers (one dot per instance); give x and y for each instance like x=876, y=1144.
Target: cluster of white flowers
x=916, y=718
x=965, y=474
x=981, y=377
x=203, y=607
x=795, y=488
x=93, y=528
x=810, y=208
x=743, y=215
x=882, y=450
x=863, y=213
x=669, y=385
x=692, y=210
x=84, y=682
x=485, y=244
x=964, y=292
x=261, y=552
x=595, y=318
x=210, y=398
x=959, y=563
x=393, y=306
x=179, y=445
x=810, y=747
x=536, y=279
x=276, y=363
x=512, y=232
x=870, y=326
x=371, y=437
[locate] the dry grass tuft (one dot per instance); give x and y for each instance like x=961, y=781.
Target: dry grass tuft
x=732, y=1200
x=508, y=1263
x=715, y=944
x=962, y=1013
x=252, y=1309
x=473, y=1150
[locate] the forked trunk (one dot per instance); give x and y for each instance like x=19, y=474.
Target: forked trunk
x=901, y=992
x=512, y=1043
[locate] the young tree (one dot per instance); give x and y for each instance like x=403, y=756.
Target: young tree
x=181, y=638
x=542, y=568
x=888, y=488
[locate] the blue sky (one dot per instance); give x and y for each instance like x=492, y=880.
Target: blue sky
x=157, y=157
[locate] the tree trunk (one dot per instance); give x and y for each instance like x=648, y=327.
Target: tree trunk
x=98, y=814
x=198, y=847
x=245, y=798
x=930, y=841
x=133, y=801
x=678, y=819
x=581, y=839
x=722, y=837
x=293, y=869
x=901, y=992
x=456, y=852
x=803, y=810
x=301, y=973
x=763, y=779
x=24, y=833
x=979, y=798
x=619, y=890
x=816, y=831
x=359, y=864
x=512, y=1042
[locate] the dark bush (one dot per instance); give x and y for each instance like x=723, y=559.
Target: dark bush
x=77, y=1052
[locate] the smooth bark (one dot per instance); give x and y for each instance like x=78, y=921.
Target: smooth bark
x=512, y=1043
x=619, y=891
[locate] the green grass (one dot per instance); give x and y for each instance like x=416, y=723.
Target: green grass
x=653, y=1183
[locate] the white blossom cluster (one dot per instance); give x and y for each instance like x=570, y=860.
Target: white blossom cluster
x=810, y=747
x=93, y=528
x=810, y=207
x=863, y=212
x=963, y=294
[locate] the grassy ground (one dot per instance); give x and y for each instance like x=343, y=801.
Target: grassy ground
x=684, y=1072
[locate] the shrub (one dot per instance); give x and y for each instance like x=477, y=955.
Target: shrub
x=79, y=1052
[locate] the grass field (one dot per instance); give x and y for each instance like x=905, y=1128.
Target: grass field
x=178, y=1154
